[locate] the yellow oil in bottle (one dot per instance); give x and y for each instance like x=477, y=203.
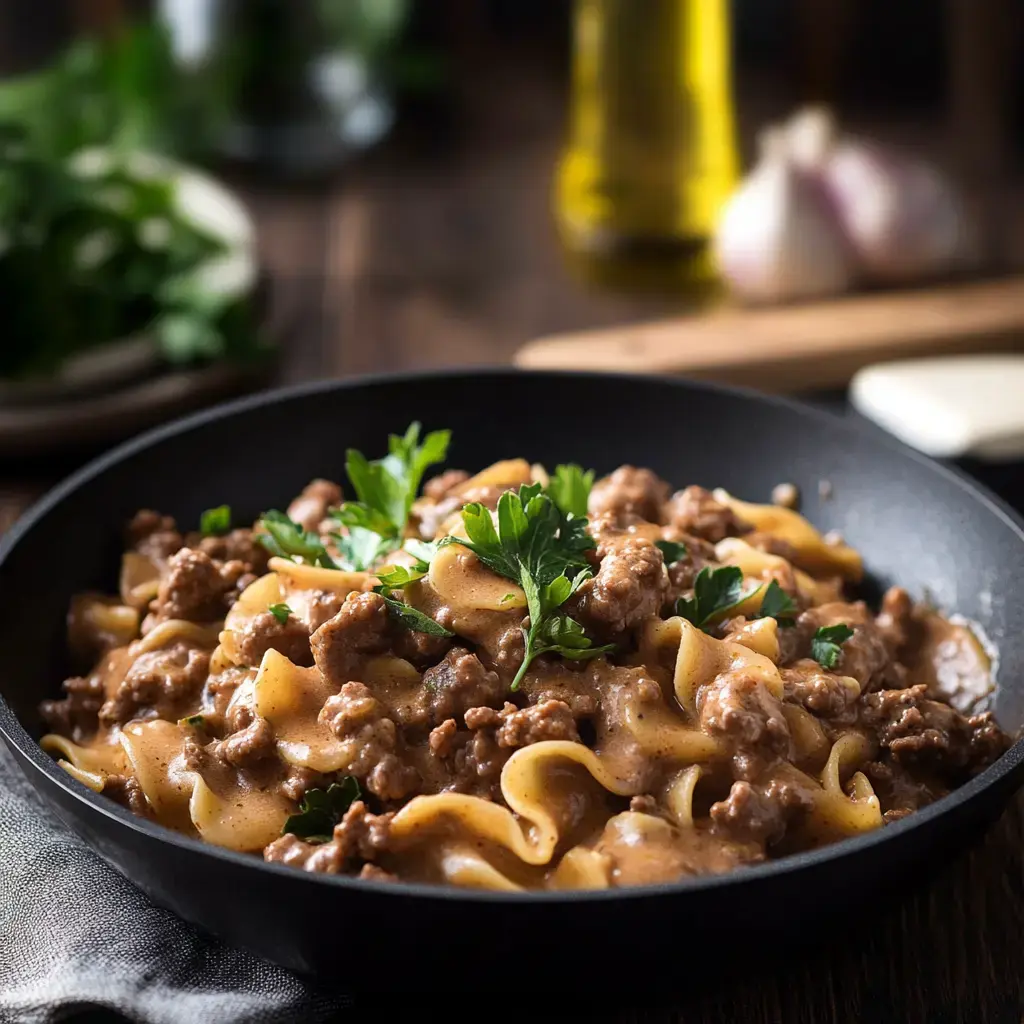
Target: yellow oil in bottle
x=651, y=154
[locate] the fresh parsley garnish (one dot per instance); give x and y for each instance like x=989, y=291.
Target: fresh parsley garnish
x=544, y=551
x=569, y=488
x=413, y=618
x=715, y=593
x=321, y=810
x=287, y=539
x=196, y=721
x=360, y=547
x=280, y=612
x=778, y=605
x=422, y=550
x=826, y=644
x=396, y=577
x=215, y=521
x=386, y=489
x=674, y=551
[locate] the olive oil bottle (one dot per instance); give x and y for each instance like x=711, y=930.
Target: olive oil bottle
x=651, y=154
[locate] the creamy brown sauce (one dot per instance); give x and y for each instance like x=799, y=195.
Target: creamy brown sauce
x=691, y=747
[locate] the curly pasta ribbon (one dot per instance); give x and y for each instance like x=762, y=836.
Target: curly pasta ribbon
x=812, y=552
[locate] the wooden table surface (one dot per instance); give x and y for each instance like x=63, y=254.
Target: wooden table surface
x=411, y=260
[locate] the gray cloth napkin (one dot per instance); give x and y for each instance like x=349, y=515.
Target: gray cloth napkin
x=76, y=937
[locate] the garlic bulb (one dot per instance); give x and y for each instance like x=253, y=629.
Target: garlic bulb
x=778, y=237
x=902, y=217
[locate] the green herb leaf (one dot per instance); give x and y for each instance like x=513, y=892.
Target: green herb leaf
x=360, y=547
x=215, y=521
x=826, y=644
x=537, y=546
x=422, y=550
x=386, y=489
x=196, y=721
x=674, y=551
x=399, y=576
x=321, y=810
x=280, y=612
x=715, y=593
x=413, y=618
x=408, y=460
x=778, y=605
x=287, y=539
x=569, y=488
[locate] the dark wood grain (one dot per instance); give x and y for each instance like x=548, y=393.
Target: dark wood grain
x=447, y=257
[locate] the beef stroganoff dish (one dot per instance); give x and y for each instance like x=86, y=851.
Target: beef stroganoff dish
x=519, y=679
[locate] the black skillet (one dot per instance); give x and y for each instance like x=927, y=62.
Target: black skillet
x=915, y=522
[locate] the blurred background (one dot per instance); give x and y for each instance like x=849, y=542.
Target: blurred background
x=201, y=197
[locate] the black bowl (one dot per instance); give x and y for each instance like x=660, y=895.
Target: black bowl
x=916, y=523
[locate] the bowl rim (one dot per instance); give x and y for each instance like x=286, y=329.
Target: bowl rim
x=28, y=750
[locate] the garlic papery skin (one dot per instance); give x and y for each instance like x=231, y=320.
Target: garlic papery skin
x=901, y=215
x=778, y=237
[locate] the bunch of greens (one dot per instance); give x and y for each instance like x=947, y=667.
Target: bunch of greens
x=93, y=247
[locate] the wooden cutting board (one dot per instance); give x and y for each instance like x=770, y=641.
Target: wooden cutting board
x=800, y=347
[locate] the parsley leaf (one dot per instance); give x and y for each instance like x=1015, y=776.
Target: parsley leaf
x=280, y=612
x=569, y=488
x=674, y=551
x=215, y=521
x=396, y=577
x=321, y=810
x=360, y=547
x=196, y=721
x=413, y=618
x=715, y=593
x=778, y=605
x=286, y=539
x=386, y=489
x=537, y=546
x=826, y=644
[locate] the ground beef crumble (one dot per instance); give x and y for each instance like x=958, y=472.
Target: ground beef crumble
x=918, y=731
x=630, y=490
x=161, y=682
x=310, y=508
x=458, y=683
x=125, y=789
x=629, y=588
x=359, y=836
x=355, y=716
x=77, y=714
x=697, y=512
x=195, y=587
x=361, y=627
x=264, y=632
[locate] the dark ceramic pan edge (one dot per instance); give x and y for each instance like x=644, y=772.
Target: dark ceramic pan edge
x=1004, y=775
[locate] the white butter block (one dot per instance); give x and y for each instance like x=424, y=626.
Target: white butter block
x=948, y=406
